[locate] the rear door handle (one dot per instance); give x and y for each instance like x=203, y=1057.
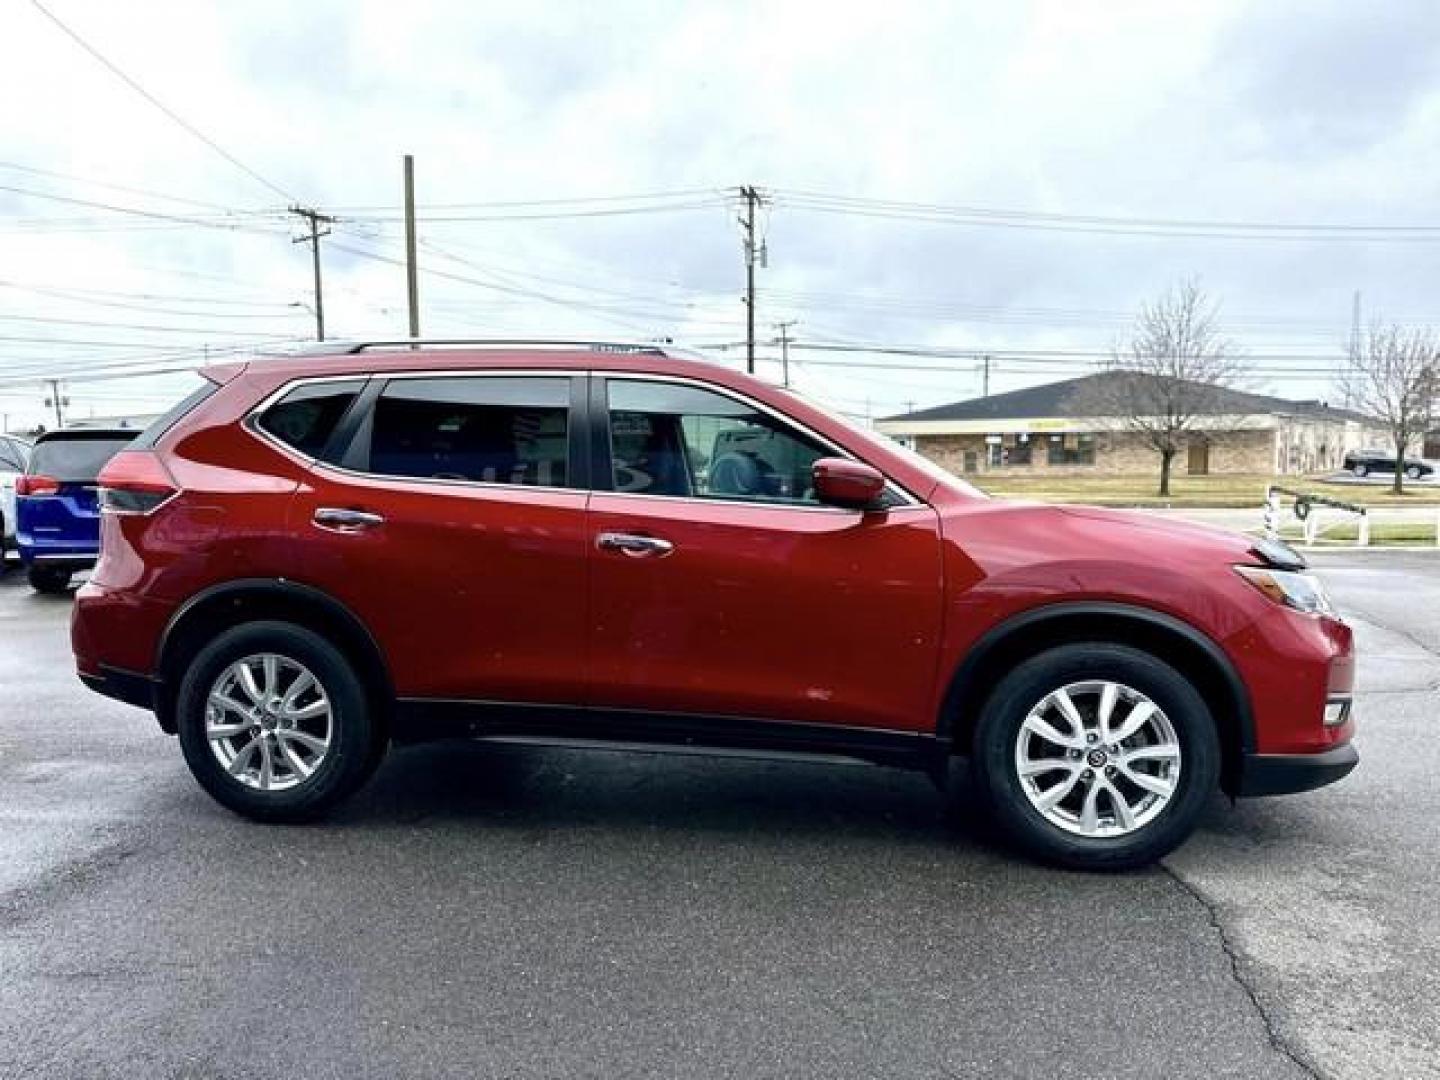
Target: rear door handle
x=341, y=520
x=634, y=545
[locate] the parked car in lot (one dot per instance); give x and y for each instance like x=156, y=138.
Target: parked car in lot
x=57, y=511
x=13, y=455
x=315, y=556
x=1365, y=462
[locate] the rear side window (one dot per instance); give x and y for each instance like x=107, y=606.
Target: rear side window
x=492, y=429
x=151, y=435
x=76, y=457
x=306, y=417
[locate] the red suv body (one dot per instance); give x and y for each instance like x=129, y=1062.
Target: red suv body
x=318, y=555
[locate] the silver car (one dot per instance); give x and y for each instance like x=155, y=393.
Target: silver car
x=13, y=455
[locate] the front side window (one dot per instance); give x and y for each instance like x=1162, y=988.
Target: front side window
x=306, y=417
x=677, y=440
x=489, y=429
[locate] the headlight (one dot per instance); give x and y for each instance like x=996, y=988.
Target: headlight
x=1303, y=592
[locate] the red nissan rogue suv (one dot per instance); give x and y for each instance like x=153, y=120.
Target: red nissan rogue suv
x=315, y=556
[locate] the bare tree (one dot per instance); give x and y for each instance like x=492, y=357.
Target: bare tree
x=1394, y=377
x=1169, y=378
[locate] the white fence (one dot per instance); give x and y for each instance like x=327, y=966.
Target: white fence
x=1316, y=515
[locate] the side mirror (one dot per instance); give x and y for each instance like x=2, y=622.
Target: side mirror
x=851, y=484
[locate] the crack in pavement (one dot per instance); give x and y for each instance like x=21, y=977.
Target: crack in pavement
x=1272, y=1034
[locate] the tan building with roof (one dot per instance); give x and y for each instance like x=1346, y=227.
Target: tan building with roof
x=1048, y=429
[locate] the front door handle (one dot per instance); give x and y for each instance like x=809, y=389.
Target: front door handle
x=342, y=520
x=634, y=545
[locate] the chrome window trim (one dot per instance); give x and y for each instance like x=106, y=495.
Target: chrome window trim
x=909, y=499
x=249, y=422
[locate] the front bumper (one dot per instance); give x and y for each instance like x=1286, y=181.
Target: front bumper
x=1284, y=774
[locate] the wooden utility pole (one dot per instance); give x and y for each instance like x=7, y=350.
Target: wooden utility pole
x=412, y=271
x=784, y=328
x=752, y=199
x=58, y=402
x=985, y=384
x=315, y=220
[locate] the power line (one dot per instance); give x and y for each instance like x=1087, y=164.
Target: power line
x=52, y=174
x=149, y=328
x=579, y=200
x=225, y=221
x=153, y=100
x=1113, y=225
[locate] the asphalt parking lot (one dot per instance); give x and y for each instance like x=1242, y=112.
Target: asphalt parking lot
x=524, y=913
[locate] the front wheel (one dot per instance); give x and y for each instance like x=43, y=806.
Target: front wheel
x=49, y=580
x=1096, y=757
x=1360, y=469
x=1413, y=472
x=274, y=722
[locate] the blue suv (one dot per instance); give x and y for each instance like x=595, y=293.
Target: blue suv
x=57, y=506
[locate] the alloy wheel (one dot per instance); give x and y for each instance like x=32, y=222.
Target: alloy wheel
x=1098, y=759
x=269, y=722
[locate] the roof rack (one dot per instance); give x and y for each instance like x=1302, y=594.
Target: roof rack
x=350, y=348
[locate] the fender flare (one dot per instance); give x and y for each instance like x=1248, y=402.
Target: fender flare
x=288, y=590
x=964, y=677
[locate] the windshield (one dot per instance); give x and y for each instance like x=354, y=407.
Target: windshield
x=76, y=458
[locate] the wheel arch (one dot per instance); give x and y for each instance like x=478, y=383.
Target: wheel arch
x=232, y=603
x=1190, y=651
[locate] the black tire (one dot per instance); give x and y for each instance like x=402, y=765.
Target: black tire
x=998, y=785
x=1413, y=472
x=1360, y=469
x=355, y=745
x=49, y=580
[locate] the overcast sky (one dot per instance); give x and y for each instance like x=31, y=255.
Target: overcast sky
x=1229, y=123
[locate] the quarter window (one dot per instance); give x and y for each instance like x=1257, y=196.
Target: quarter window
x=306, y=417
x=671, y=439
x=491, y=429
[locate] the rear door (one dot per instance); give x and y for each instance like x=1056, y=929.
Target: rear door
x=452, y=522
x=722, y=587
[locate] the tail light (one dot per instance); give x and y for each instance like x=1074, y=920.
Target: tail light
x=36, y=485
x=135, y=482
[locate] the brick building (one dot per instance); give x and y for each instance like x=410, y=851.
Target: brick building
x=1049, y=429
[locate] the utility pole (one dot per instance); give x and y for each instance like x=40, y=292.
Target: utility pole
x=784, y=328
x=315, y=220
x=57, y=401
x=412, y=271
x=752, y=198
x=985, y=381
x=1355, y=328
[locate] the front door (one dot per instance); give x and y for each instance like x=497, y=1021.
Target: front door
x=720, y=586
x=455, y=530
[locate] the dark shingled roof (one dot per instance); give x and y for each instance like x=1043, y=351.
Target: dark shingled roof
x=1068, y=399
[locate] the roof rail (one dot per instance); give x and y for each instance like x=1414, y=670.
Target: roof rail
x=350, y=348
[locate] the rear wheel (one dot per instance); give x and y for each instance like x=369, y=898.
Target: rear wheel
x=275, y=724
x=1413, y=472
x=49, y=580
x=1096, y=757
x=1360, y=469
